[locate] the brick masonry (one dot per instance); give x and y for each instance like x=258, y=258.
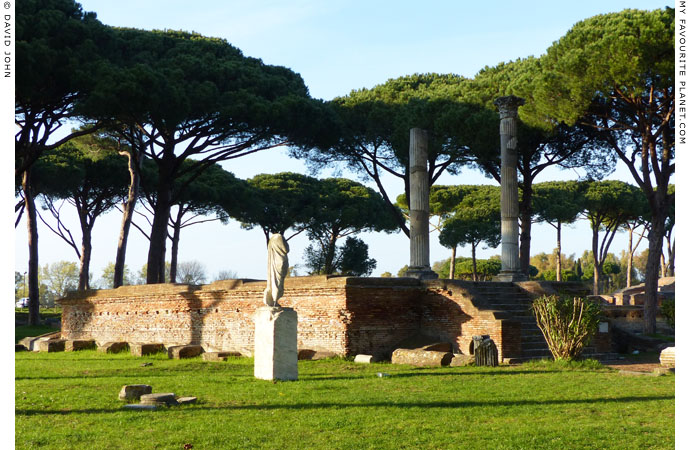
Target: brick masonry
x=343, y=315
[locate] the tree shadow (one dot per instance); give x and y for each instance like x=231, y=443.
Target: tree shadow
x=398, y=405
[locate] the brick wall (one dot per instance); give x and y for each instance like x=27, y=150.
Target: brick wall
x=450, y=313
x=345, y=315
x=382, y=313
x=218, y=316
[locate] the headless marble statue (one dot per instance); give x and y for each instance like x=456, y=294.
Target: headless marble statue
x=278, y=249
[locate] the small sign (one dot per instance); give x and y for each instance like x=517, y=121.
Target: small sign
x=603, y=327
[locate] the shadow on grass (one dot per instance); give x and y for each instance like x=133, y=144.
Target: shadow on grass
x=172, y=371
x=447, y=374
x=405, y=405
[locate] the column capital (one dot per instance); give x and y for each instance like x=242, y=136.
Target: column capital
x=508, y=106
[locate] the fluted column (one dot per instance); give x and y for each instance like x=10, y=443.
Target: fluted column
x=510, y=261
x=419, y=207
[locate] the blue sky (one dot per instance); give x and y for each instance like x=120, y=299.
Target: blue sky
x=338, y=46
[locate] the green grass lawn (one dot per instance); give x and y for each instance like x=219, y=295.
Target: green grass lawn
x=69, y=400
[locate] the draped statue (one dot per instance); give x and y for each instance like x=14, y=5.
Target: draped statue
x=278, y=249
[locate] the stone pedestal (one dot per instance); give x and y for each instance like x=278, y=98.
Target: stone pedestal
x=419, y=207
x=510, y=256
x=275, y=343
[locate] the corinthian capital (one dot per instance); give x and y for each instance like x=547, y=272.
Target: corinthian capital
x=508, y=106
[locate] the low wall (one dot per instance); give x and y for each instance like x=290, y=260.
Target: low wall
x=218, y=316
x=344, y=315
x=630, y=318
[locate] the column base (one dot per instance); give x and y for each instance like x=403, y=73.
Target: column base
x=275, y=343
x=510, y=276
x=421, y=273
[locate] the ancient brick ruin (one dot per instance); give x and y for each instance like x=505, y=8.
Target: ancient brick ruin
x=343, y=315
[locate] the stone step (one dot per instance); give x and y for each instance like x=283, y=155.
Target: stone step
x=507, y=304
x=536, y=353
x=534, y=346
x=505, y=296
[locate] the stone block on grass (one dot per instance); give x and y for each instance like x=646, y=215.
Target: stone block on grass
x=184, y=351
x=365, y=359
x=145, y=349
x=667, y=358
x=462, y=360
x=186, y=400
x=113, y=347
x=31, y=342
x=50, y=346
x=313, y=355
x=164, y=399
x=133, y=392
x=219, y=356
x=439, y=347
x=421, y=358
x=75, y=345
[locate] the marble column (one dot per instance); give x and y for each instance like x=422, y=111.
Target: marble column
x=510, y=261
x=419, y=266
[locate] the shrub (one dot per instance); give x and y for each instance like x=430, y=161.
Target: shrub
x=568, y=324
x=668, y=310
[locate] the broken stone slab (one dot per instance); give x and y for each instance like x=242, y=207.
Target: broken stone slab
x=439, y=347
x=75, y=345
x=462, y=360
x=132, y=392
x=365, y=359
x=186, y=400
x=164, y=399
x=420, y=340
x=313, y=355
x=31, y=342
x=218, y=356
x=112, y=347
x=140, y=407
x=184, y=351
x=667, y=358
x=55, y=345
x=421, y=358
x=145, y=349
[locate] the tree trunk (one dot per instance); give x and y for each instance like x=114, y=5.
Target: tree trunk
x=451, y=275
x=85, y=260
x=662, y=264
x=595, y=255
x=174, y=247
x=328, y=268
x=656, y=242
x=32, y=228
x=155, y=272
x=474, y=262
x=628, y=275
x=558, y=255
x=134, y=164
x=525, y=222
x=671, y=259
